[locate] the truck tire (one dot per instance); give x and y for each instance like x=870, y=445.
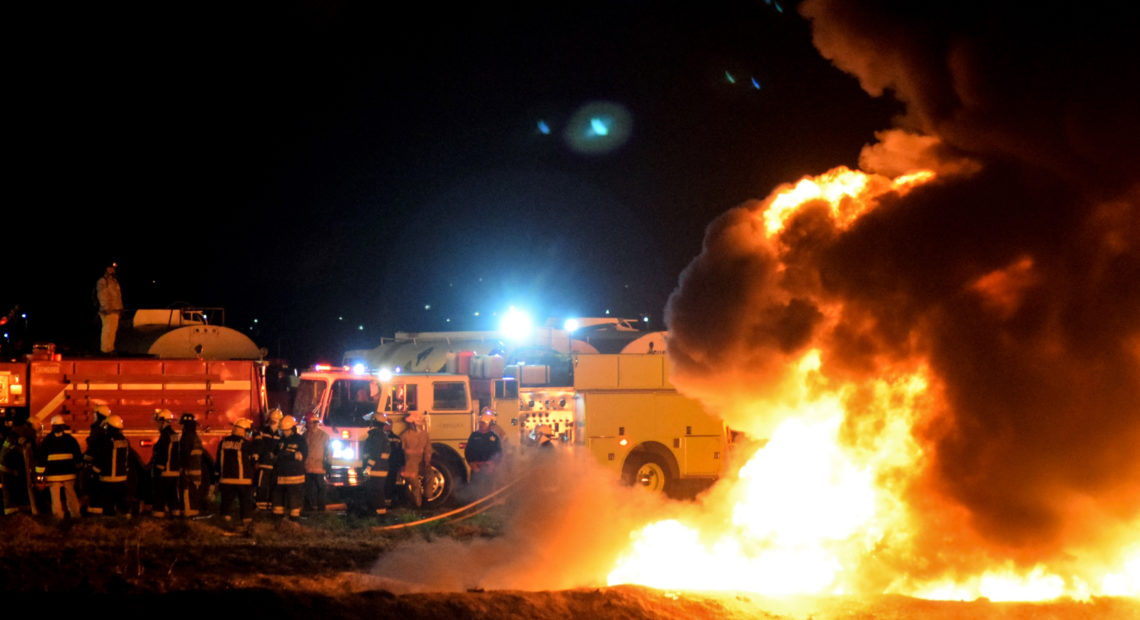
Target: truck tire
x=650, y=471
x=444, y=481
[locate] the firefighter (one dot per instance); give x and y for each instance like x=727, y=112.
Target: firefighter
x=194, y=465
x=165, y=468
x=545, y=436
x=235, y=471
x=264, y=447
x=484, y=452
x=113, y=462
x=57, y=466
x=88, y=479
x=110, y=298
x=417, y=457
x=316, y=459
x=375, y=454
x=17, y=465
x=289, y=471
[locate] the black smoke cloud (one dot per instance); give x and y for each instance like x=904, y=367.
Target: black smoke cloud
x=1015, y=275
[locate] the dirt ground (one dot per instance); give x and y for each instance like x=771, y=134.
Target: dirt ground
x=322, y=567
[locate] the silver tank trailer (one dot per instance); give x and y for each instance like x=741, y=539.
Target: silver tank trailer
x=183, y=334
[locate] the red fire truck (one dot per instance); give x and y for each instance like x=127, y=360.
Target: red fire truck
x=217, y=392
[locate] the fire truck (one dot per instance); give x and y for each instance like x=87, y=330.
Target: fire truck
x=218, y=392
x=621, y=408
x=624, y=411
x=345, y=399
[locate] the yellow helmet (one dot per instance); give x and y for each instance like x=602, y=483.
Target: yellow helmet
x=275, y=415
x=163, y=415
x=102, y=410
x=57, y=420
x=116, y=421
x=243, y=423
x=288, y=422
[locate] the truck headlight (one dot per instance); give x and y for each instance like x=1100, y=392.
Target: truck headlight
x=343, y=450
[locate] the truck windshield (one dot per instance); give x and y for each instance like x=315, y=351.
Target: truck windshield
x=308, y=397
x=352, y=399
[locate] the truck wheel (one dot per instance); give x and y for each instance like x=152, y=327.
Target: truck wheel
x=443, y=480
x=648, y=471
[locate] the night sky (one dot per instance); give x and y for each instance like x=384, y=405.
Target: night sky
x=341, y=171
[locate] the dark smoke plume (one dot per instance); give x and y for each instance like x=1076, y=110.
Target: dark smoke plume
x=1015, y=275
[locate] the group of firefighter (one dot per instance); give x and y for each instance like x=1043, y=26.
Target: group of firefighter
x=273, y=468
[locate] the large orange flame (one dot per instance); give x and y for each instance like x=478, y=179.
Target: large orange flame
x=823, y=507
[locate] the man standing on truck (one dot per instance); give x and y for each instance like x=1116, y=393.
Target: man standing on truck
x=289, y=471
x=110, y=298
x=417, y=457
x=165, y=467
x=375, y=453
x=58, y=467
x=317, y=442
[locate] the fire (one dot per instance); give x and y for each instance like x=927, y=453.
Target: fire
x=823, y=508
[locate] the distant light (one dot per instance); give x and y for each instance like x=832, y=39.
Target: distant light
x=516, y=324
x=728, y=76
x=571, y=325
x=447, y=320
x=476, y=313
x=340, y=318
x=255, y=320
x=360, y=328
x=607, y=311
x=543, y=128
x=755, y=84
x=644, y=319
x=427, y=306
x=24, y=315
x=598, y=128
x=384, y=374
x=358, y=368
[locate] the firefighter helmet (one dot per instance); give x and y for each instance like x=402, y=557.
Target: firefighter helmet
x=243, y=423
x=288, y=422
x=487, y=417
x=116, y=421
x=413, y=417
x=57, y=420
x=275, y=415
x=163, y=415
x=102, y=410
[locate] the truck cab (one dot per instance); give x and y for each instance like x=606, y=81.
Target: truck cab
x=343, y=398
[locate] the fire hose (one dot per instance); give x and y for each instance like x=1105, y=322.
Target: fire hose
x=487, y=499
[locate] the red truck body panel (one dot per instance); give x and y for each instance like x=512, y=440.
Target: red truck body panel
x=217, y=392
